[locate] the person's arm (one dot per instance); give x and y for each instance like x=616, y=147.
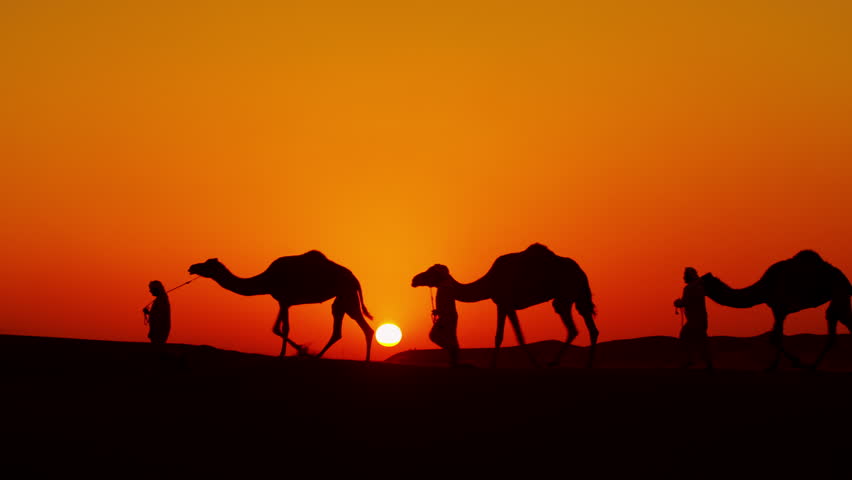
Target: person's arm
x=681, y=302
x=158, y=309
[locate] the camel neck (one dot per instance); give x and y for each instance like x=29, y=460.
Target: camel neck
x=470, y=292
x=746, y=297
x=240, y=286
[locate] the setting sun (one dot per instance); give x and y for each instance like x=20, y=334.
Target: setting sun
x=388, y=335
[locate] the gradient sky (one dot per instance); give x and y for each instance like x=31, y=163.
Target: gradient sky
x=638, y=138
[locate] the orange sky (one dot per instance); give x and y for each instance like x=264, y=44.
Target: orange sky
x=634, y=137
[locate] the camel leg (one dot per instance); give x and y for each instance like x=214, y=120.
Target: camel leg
x=777, y=339
x=839, y=310
x=593, y=336
x=829, y=342
x=516, y=326
x=282, y=329
x=337, y=311
x=498, y=337
x=563, y=308
x=369, y=333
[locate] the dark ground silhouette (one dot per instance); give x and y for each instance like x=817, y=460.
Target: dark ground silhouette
x=97, y=407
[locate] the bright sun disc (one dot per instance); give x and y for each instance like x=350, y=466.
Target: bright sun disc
x=388, y=335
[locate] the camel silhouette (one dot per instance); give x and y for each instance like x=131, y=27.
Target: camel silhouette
x=788, y=286
x=299, y=280
x=519, y=280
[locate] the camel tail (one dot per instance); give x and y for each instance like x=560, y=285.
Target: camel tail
x=584, y=303
x=363, y=307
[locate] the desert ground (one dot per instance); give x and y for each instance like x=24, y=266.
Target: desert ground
x=122, y=408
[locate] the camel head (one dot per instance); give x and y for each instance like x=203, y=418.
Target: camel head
x=435, y=276
x=208, y=269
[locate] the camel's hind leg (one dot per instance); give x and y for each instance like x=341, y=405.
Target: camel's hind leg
x=563, y=308
x=839, y=310
x=354, y=311
x=589, y=320
x=347, y=304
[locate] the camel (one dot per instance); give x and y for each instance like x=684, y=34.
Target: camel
x=519, y=280
x=788, y=286
x=299, y=280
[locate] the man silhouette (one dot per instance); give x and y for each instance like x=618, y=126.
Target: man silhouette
x=693, y=334
x=445, y=323
x=159, y=315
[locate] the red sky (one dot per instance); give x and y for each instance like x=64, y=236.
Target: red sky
x=635, y=138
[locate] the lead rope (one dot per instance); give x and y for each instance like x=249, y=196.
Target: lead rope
x=167, y=291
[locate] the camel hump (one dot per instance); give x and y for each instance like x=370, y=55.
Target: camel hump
x=808, y=256
x=539, y=249
x=308, y=260
x=315, y=255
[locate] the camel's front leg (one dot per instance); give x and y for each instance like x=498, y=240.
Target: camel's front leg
x=777, y=339
x=282, y=329
x=337, y=311
x=498, y=337
x=516, y=326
